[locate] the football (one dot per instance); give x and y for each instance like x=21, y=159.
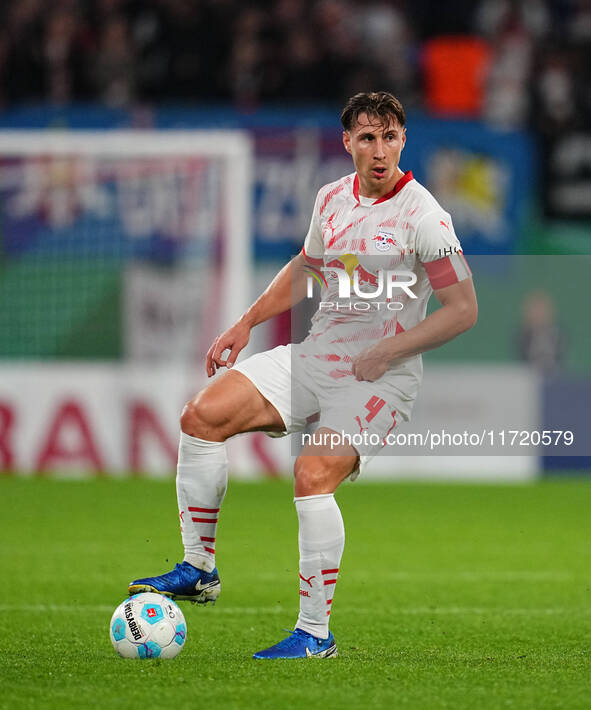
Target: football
x=148, y=626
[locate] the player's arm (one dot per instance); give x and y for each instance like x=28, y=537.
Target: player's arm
x=458, y=313
x=286, y=290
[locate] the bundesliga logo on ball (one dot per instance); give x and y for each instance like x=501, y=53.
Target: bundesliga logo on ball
x=148, y=626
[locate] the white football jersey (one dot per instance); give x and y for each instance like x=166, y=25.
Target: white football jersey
x=395, y=251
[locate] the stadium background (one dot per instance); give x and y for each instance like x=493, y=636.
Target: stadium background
x=102, y=325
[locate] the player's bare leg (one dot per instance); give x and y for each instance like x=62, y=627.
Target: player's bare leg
x=318, y=472
x=320, y=469
x=229, y=406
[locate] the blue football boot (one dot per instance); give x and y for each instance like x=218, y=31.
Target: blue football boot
x=301, y=644
x=184, y=582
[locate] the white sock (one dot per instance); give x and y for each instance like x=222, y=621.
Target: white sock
x=201, y=482
x=322, y=539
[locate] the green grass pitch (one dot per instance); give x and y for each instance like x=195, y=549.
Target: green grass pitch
x=450, y=596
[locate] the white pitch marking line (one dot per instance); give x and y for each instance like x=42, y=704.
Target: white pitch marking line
x=505, y=576
x=453, y=610
x=466, y=576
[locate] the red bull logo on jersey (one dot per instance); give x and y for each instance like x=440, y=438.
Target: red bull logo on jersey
x=385, y=282
x=345, y=278
x=384, y=241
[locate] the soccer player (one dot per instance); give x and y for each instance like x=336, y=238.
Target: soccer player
x=359, y=368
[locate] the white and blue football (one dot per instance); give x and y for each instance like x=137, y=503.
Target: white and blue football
x=148, y=626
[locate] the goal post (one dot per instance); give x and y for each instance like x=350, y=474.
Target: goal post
x=166, y=213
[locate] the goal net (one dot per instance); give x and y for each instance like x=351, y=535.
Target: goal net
x=122, y=244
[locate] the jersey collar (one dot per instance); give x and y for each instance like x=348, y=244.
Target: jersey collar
x=407, y=177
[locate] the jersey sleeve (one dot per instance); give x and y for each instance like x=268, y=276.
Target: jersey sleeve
x=313, y=249
x=440, y=251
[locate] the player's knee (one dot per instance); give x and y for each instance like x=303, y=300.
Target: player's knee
x=315, y=475
x=203, y=417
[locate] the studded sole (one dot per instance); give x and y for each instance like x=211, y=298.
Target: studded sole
x=207, y=595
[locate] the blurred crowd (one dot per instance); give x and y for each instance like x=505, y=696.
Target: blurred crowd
x=512, y=62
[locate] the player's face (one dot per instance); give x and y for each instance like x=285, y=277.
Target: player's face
x=375, y=148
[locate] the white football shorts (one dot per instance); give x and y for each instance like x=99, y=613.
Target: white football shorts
x=363, y=414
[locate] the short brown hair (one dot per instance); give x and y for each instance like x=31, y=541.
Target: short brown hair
x=375, y=104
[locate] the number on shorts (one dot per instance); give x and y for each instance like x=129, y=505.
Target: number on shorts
x=373, y=406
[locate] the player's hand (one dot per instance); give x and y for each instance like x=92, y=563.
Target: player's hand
x=234, y=339
x=370, y=364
